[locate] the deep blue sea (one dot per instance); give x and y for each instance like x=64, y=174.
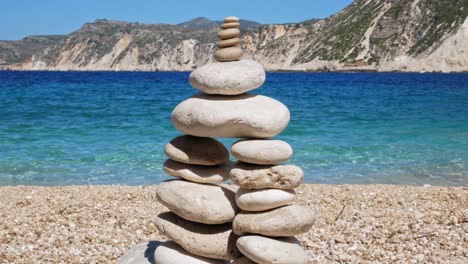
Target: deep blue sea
x=63, y=128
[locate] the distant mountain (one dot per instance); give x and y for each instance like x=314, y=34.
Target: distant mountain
x=200, y=23
x=369, y=35
x=204, y=23
x=12, y=52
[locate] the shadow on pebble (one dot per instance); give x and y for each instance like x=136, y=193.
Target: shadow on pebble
x=142, y=253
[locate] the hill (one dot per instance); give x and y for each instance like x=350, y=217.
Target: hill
x=369, y=35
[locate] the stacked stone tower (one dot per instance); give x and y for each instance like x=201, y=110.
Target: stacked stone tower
x=229, y=40
x=210, y=223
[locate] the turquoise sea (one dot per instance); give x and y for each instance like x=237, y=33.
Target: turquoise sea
x=62, y=128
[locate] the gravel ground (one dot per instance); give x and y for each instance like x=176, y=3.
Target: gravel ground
x=355, y=224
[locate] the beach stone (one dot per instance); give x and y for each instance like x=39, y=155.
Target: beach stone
x=272, y=250
x=246, y=115
x=228, y=42
x=228, y=78
x=171, y=253
x=142, y=253
x=243, y=260
x=230, y=25
x=251, y=176
x=262, y=152
x=202, y=203
x=197, y=150
x=211, y=241
x=285, y=221
x=228, y=33
x=231, y=19
x=228, y=54
x=264, y=199
x=198, y=173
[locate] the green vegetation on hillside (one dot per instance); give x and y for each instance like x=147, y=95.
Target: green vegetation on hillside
x=443, y=16
x=341, y=33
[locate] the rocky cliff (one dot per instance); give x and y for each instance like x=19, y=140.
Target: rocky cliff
x=381, y=35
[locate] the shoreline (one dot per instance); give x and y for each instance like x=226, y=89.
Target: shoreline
x=355, y=223
x=268, y=71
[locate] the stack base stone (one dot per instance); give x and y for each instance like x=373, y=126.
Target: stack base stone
x=202, y=203
x=267, y=250
x=210, y=241
x=171, y=253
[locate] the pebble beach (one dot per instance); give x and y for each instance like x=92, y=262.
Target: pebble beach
x=355, y=223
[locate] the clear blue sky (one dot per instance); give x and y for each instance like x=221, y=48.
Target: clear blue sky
x=19, y=18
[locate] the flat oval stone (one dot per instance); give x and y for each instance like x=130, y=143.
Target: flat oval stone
x=197, y=150
x=230, y=25
x=246, y=115
x=228, y=78
x=228, y=54
x=251, y=176
x=264, y=199
x=285, y=221
x=202, y=203
x=211, y=241
x=228, y=33
x=272, y=250
x=198, y=173
x=263, y=152
x=231, y=19
x=228, y=42
x=171, y=253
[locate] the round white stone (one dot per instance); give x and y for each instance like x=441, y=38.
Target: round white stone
x=171, y=253
x=246, y=115
x=261, y=200
x=228, y=78
x=202, y=203
x=263, y=152
x=272, y=250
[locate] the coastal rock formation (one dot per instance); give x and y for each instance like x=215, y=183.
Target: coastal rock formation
x=378, y=35
x=201, y=211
